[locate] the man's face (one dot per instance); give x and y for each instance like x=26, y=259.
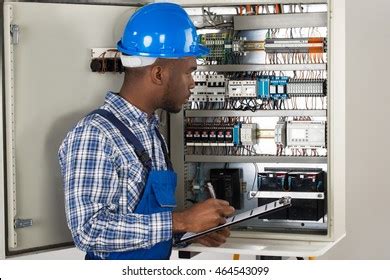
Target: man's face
x=179, y=85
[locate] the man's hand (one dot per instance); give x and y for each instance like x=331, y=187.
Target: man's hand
x=214, y=239
x=202, y=216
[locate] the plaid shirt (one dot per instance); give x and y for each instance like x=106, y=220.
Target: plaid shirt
x=103, y=181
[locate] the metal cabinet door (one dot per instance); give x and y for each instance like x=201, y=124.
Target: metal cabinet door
x=48, y=87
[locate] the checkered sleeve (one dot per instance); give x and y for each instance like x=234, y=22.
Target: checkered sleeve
x=88, y=165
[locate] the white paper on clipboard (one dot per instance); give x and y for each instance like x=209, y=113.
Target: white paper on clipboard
x=276, y=205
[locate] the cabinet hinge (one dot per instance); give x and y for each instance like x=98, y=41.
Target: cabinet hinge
x=22, y=223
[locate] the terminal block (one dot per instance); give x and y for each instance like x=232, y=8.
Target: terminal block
x=248, y=134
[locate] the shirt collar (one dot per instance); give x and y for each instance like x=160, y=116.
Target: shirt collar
x=129, y=111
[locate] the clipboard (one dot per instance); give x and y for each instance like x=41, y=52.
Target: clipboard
x=268, y=208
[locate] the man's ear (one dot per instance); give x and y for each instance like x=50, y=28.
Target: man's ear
x=157, y=74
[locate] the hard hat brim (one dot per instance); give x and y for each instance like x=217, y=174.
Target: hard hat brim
x=197, y=51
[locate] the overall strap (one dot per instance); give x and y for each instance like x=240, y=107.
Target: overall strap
x=139, y=149
x=167, y=160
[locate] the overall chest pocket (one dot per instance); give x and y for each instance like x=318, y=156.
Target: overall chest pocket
x=163, y=188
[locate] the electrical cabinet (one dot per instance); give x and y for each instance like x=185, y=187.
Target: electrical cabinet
x=276, y=117
x=266, y=118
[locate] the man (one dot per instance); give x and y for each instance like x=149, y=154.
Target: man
x=119, y=181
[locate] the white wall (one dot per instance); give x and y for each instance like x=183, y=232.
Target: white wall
x=367, y=153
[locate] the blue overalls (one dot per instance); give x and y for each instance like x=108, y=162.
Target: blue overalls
x=158, y=194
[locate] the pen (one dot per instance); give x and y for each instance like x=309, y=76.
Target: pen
x=211, y=190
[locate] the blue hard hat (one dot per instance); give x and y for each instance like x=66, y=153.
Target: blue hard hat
x=161, y=30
